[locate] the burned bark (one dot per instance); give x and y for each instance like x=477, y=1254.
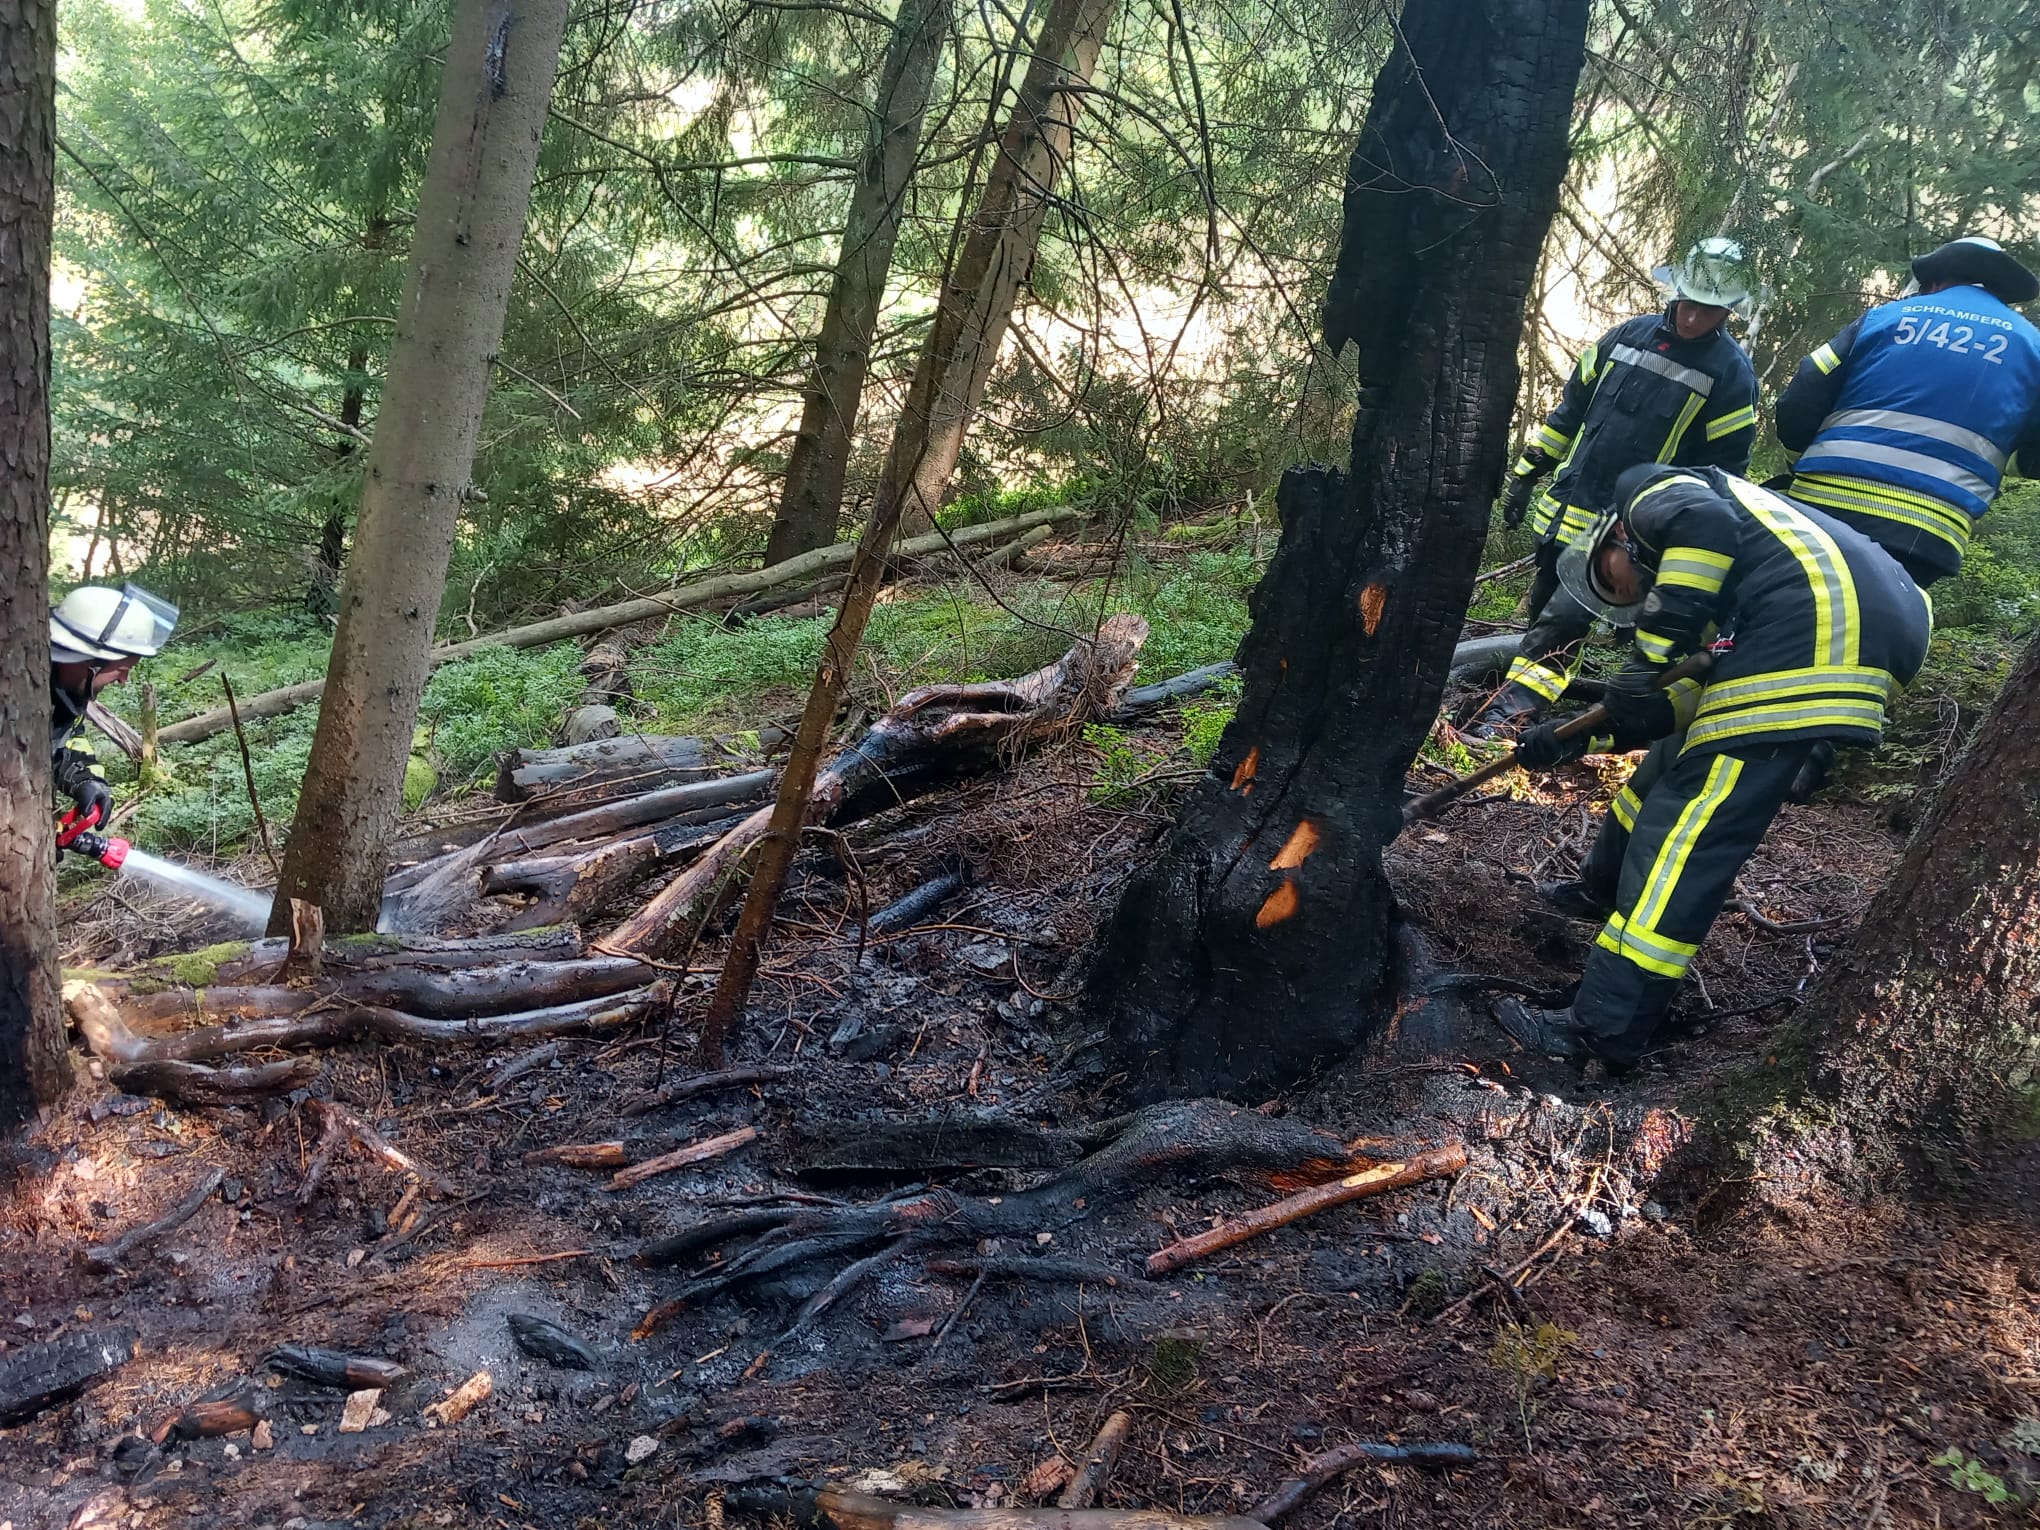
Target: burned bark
x=1253, y=950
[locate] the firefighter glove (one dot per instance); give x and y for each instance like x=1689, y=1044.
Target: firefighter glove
x=1516, y=499
x=91, y=795
x=1542, y=748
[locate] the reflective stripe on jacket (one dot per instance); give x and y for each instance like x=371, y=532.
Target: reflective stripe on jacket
x=1920, y=406
x=1827, y=628
x=1641, y=394
x=71, y=752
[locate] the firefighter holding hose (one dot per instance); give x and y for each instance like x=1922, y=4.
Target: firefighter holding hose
x=96, y=637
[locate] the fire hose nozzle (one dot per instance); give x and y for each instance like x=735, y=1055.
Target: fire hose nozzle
x=109, y=850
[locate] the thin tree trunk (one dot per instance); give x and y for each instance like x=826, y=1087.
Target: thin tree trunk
x=333, y=534
x=970, y=319
x=1921, y=1045
x=492, y=108
x=33, y=1064
x=813, y=496
x=998, y=254
x=1254, y=949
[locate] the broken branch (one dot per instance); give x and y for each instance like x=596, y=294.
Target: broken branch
x=1431, y=1163
x=1091, y=1477
x=107, y=1257
x=1321, y=1469
x=680, y=1158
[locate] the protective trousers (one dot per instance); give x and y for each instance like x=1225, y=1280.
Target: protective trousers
x=1549, y=655
x=1671, y=846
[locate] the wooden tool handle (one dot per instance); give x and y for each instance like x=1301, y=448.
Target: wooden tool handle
x=1431, y=802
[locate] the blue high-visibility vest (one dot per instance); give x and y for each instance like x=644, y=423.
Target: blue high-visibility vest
x=1937, y=392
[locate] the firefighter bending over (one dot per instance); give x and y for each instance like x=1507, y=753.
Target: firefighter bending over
x=1827, y=630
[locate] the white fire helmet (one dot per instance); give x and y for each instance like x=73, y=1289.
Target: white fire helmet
x=95, y=625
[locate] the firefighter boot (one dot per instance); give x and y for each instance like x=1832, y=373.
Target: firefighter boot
x=1576, y=898
x=1552, y=1032
x=1513, y=710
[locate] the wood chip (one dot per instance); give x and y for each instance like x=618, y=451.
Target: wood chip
x=359, y=1411
x=462, y=1402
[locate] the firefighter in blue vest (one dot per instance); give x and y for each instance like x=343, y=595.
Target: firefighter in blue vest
x=96, y=635
x=1826, y=630
x=1906, y=422
x=1666, y=387
x=1904, y=425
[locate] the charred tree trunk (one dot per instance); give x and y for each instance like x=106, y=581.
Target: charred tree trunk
x=493, y=98
x=33, y=1064
x=1921, y=1044
x=820, y=458
x=1253, y=950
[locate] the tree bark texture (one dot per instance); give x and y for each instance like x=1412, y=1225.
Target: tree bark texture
x=815, y=469
x=33, y=1063
x=1924, y=1037
x=492, y=107
x=1254, y=949
x=999, y=242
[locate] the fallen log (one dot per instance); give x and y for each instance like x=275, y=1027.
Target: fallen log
x=194, y=1085
x=104, y=1258
x=931, y=735
x=686, y=597
x=100, y=1023
x=1143, y=699
x=606, y=671
x=39, y=1376
x=1375, y=1179
x=585, y=774
x=575, y=888
x=683, y=1157
x=834, y=1509
x=1320, y=1469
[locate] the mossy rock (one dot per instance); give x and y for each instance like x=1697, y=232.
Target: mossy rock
x=200, y=968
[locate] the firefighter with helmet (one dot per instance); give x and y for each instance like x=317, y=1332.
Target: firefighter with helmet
x=96, y=635
x=1669, y=387
x=1827, y=630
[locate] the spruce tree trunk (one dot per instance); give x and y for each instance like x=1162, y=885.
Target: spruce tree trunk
x=1921, y=1044
x=1255, y=948
x=813, y=496
x=976, y=303
x=492, y=108
x=33, y=1063
x=326, y=563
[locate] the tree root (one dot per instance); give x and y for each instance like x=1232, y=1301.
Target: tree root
x=1181, y=1139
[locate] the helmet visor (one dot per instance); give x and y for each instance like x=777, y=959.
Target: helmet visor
x=1579, y=576
x=136, y=626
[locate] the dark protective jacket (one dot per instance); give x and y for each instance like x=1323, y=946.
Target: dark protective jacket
x=1826, y=628
x=1906, y=422
x=1641, y=394
x=71, y=754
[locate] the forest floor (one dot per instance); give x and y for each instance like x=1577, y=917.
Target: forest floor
x=1672, y=1359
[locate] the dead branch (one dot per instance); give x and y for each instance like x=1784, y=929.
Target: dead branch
x=108, y=1035
x=194, y=1084
x=525, y=1062
x=104, y=1258
x=339, y=1126
x=581, y=1155
x=332, y=1368
x=1089, y=1482
x=247, y=772
x=705, y=1083
x=1376, y=1179
x=681, y=1158
x=1320, y=1469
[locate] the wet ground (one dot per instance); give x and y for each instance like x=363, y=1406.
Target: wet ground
x=1669, y=1361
